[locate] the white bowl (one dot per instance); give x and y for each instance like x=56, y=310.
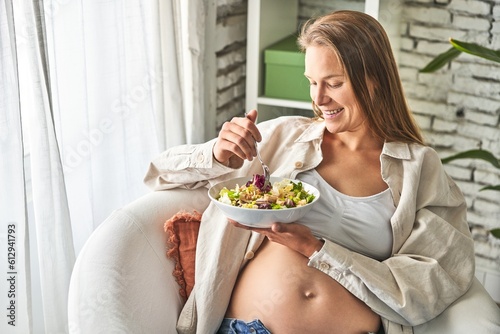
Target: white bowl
x=260, y=217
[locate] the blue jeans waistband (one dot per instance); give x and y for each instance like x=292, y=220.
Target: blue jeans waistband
x=235, y=326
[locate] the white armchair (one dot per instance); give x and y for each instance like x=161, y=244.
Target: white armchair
x=122, y=281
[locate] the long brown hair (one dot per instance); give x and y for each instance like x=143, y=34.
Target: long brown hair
x=365, y=54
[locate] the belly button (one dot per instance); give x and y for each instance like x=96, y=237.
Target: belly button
x=309, y=294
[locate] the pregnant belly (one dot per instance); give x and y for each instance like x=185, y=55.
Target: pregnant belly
x=278, y=288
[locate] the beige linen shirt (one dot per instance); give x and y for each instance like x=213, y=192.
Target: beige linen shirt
x=432, y=261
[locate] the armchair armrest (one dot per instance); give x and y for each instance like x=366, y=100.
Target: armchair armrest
x=474, y=312
x=122, y=279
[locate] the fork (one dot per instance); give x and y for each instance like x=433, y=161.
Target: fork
x=267, y=173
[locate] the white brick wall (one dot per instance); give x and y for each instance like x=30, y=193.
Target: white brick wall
x=471, y=23
x=231, y=58
x=470, y=88
x=312, y=8
x=470, y=7
x=428, y=15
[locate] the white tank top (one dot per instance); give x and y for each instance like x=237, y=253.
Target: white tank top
x=361, y=224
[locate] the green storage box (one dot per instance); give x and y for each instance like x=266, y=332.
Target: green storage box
x=284, y=71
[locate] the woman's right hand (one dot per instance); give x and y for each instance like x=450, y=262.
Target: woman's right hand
x=236, y=140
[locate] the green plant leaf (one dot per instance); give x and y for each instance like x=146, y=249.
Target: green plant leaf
x=441, y=60
x=497, y=188
x=476, y=50
x=474, y=154
x=495, y=232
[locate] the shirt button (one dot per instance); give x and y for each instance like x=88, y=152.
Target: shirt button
x=200, y=158
x=252, y=330
x=298, y=164
x=324, y=266
x=249, y=255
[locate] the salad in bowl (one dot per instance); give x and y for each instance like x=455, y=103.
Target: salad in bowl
x=253, y=203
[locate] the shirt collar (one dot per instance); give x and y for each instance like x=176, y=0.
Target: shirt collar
x=397, y=150
x=316, y=130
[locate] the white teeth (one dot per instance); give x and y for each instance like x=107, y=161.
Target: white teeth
x=333, y=112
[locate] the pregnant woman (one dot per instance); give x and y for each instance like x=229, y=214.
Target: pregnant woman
x=387, y=246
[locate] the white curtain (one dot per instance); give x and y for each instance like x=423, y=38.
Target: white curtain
x=14, y=242
x=90, y=92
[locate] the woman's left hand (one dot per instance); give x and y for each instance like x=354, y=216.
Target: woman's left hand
x=292, y=235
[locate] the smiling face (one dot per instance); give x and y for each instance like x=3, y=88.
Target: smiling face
x=363, y=90
x=332, y=91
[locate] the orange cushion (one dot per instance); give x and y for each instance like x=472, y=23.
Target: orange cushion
x=182, y=230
